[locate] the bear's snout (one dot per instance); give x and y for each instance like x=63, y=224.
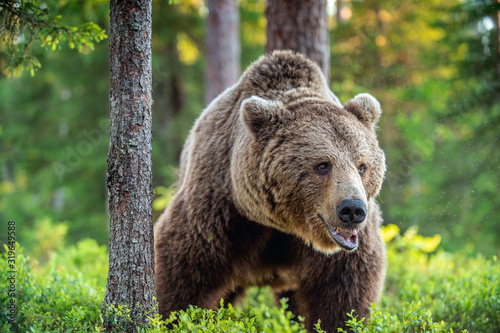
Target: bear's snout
x=351, y=211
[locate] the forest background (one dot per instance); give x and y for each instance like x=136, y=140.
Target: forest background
x=434, y=66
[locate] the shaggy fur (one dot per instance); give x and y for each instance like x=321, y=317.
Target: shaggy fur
x=254, y=206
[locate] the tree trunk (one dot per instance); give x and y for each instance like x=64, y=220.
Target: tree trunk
x=300, y=26
x=338, y=15
x=496, y=21
x=223, y=47
x=131, y=251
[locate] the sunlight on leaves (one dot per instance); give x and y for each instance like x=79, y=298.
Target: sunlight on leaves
x=389, y=232
x=188, y=51
x=163, y=195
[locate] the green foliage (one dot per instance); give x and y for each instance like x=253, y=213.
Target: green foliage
x=87, y=257
x=412, y=318
x=46, y=238
x=430, y=290
x=23, y=21
x=264, y=318
x=52, y=297
x=119, y=316
x=427, y=290
x=454, y=290
x=163, y=196
x=54, y=133
x=258, y=314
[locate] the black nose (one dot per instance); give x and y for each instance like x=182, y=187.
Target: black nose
x=351, y=211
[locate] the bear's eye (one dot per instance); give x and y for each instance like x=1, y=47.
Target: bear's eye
x=362, y=169
x=323, y=168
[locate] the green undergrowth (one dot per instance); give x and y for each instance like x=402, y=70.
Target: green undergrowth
x=427, y=290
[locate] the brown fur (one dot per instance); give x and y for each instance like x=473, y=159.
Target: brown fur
x=251, y=210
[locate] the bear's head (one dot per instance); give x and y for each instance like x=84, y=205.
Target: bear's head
x=307, y=167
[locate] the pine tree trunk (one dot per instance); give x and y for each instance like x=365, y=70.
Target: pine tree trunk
x=131, y=251
x=300, y=26
x=496, y=21
x=223, y=47
x=338, y=15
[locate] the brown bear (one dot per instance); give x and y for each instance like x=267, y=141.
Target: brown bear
x=277, y=186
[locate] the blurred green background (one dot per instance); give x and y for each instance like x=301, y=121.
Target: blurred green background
x=434, y=66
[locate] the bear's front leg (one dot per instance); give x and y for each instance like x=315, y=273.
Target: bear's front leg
x=189, y=269
x=338, y=284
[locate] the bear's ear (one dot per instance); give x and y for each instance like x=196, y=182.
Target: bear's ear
x=366, y=108
x=260, y=114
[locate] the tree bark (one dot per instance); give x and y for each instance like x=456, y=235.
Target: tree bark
x=300, y=26
x=131, y=250
x=223, y=47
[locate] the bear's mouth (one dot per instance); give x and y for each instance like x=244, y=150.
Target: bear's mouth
x=345, y=238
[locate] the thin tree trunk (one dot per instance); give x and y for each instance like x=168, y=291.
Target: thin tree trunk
x=131, y=251
x=496, y=20
x=300, y=26
x=338, y=15
x=223, y=47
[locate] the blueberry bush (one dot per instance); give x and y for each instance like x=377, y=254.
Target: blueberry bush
x=427, y=290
